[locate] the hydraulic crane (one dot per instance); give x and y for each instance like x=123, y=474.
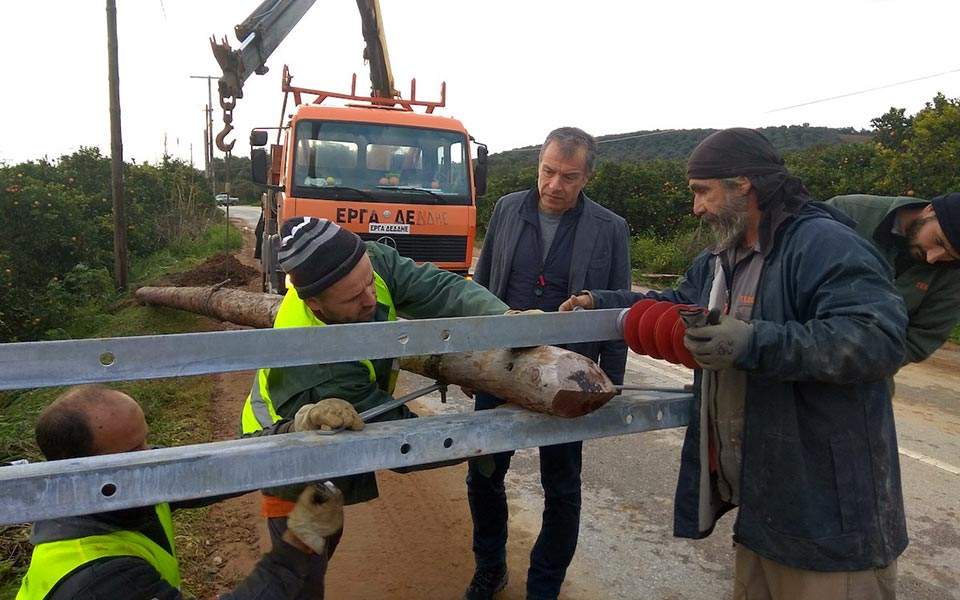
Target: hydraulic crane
x=263, y=31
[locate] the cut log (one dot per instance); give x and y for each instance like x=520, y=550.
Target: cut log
x=545, y=379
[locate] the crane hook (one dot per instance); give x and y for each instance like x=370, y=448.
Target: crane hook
x=227, y=104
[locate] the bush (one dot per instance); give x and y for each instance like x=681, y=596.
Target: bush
x=651, y=254
x=56, y=251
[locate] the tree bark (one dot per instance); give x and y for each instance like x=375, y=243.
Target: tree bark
x=224, y=304
x=545, y=379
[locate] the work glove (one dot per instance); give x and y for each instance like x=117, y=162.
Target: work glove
x=329, y=413
x=317, y=515
x=582, y=300
x=718, y=346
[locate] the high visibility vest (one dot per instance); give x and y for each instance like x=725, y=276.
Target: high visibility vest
x=52, y=561
x=258, y=410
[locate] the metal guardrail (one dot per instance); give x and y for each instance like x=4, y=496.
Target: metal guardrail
x=111, y=482
x=103, y=483
x=45, y=364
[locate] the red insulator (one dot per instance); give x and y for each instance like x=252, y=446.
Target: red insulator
x=648, y=323
x=663, y=333
x=630, y=322
x=686, y=359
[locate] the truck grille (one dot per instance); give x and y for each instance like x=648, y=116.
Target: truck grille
x=424, y=248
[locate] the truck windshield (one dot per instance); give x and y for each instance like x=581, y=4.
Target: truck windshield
x=344, y=160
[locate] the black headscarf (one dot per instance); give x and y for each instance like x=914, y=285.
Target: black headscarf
x=744, y=152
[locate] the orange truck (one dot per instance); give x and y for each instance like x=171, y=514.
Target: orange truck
x=389, y=173
x=382, y=166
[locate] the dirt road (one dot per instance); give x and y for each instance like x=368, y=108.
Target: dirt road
x=414, y=541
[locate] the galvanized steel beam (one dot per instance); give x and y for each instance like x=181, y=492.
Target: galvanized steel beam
x=104, y=483
x=45, y=364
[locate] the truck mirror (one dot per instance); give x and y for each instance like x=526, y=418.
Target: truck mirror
x=258, y=166
x=258, y=138
x=480, y=170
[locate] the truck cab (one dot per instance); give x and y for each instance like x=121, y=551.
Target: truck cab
x=391, y=175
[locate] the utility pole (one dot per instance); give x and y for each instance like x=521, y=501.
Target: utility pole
x=116, y=153
x=209, y=136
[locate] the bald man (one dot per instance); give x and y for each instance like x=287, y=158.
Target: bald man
x=130, y=554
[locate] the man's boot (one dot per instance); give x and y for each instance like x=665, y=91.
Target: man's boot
x=486, y=582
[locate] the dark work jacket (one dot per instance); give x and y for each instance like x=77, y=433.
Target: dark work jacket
x=600, y=258
x=820, y=482
x=284, y=573
x=530, y=271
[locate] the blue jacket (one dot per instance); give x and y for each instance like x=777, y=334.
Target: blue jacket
x=600, y=259
x=820, y=478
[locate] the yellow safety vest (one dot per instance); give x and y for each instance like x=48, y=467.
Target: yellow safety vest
x=258, y=411
x=52, y=561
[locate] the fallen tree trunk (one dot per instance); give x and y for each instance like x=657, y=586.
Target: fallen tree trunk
x=545, y=379
x=224, y=304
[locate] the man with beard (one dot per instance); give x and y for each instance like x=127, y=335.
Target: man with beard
x=920, y=240
x=338, y=278
x=793, y=421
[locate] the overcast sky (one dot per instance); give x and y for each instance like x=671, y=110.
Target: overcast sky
x=514, y=69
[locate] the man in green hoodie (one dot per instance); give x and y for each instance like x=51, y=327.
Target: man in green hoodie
x=921, y=241
x=337, y=278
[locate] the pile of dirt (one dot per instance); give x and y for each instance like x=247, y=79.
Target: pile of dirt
x=214, y=270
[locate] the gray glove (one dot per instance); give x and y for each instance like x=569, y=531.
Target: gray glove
x=718, y=347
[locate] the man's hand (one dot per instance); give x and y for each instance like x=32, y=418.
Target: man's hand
x=718, y=347
x=317, y=515
x=583, y=300
x=529, y=311
x=330, y=413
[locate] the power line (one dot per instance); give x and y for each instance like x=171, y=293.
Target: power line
x=866, y=91
x=614, y=139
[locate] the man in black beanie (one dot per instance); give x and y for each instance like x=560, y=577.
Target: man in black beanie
x=337, y=278
x=793, y=421
x=921, y=241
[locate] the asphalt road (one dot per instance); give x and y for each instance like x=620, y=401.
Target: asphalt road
x=626, y=545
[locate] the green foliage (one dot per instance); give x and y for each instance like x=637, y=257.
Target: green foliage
x=643, y=179
x=651, y=254
x=56, y=254
x=677, y=144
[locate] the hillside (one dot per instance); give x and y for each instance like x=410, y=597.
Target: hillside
x=646, y=145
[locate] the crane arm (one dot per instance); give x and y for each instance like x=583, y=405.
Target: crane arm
x=263, y=31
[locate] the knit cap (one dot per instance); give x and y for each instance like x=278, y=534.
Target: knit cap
x=317, y=253
x=947, y=209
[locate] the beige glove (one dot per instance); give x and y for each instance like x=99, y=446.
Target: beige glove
x=329, y=413
x=317, y=515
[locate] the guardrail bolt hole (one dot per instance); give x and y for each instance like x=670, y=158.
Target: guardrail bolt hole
x=447, y=442
x=659, y=415
x=108, y=490
x=107, y=359
x=628, y=419
x=445, y=335
x=403, y=338
x=404, y=448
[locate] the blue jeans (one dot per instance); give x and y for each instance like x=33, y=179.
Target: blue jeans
x=557, y=542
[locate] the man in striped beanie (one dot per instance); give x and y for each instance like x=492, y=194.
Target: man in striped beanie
x=338, y=278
